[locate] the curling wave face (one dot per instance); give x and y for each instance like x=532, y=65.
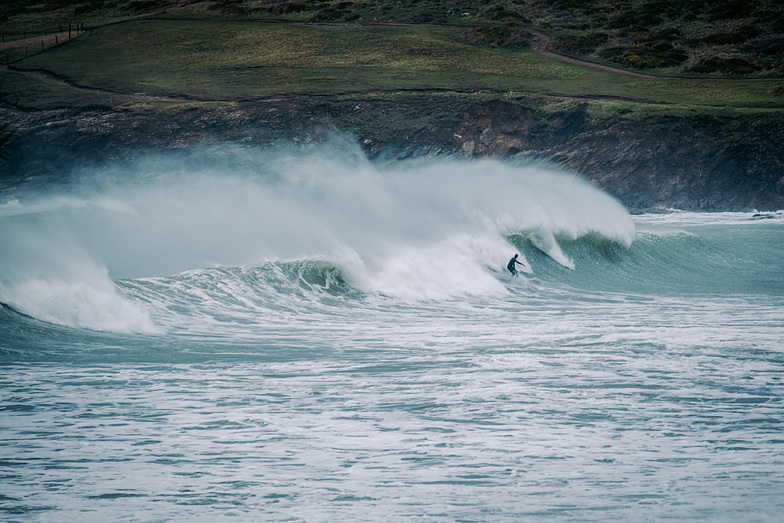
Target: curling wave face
x=415, y=230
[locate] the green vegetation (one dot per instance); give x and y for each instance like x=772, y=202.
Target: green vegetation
x=717, y=37
x=242, y=50
x=27, y=92
x=714, y=37
x=230, y=61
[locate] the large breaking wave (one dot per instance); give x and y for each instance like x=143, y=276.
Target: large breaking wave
x=413, y=230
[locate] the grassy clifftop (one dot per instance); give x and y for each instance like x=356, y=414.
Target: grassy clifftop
x=704, y=37
x=228, y=61
x=102, y=51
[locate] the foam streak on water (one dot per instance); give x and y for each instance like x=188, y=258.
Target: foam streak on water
x=368, y=357
x=445, y=421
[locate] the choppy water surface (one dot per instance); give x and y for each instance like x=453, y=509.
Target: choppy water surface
x=336, y=340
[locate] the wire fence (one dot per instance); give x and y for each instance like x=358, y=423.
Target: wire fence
x=16, y=46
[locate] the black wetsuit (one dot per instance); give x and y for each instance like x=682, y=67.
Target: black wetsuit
x=511, y=265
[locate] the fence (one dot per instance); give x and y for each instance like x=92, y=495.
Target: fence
x=16, y=46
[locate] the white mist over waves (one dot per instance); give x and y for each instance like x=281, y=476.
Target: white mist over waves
x=50, y=277
x=413, y=230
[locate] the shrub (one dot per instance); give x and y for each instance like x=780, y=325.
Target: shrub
x=94, y=5
x=235, y=7
x=777, y=23
x=771, y=46
x=634, y=20
x=500, y=12
x=660, y=54
x=507, y=37
x=725, y=65
x=290, y=7
x=424, y=17
x=562, y=4
x=139, y=6
x=729, y=9
x=581, y=44
x=742, y=34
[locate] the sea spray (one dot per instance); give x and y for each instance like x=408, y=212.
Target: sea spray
x=46, y=274
x=415, y=230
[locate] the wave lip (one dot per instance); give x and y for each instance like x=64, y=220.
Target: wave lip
x=78, y=304
x=412, y=230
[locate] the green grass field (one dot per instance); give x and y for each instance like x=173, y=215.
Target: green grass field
x=235, y=61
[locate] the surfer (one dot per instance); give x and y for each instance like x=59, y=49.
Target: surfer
x=511, y=265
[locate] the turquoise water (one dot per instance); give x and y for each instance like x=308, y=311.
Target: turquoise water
x=309, y=336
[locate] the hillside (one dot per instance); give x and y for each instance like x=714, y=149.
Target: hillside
x=706, y=37
x=613, y=90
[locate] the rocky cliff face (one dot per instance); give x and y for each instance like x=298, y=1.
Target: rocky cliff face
x=694, y=164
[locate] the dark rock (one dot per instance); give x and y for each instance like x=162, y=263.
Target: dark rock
x=707, y=164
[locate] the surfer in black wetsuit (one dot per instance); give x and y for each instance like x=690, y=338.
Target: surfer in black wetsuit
x=511, y=265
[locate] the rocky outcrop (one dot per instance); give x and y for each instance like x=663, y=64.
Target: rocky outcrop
x=495, y=129
x=699, y=164
x=706, y=164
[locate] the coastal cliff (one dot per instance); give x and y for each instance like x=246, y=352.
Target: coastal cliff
x=648, y=163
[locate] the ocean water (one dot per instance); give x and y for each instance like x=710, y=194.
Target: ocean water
x=301, y=334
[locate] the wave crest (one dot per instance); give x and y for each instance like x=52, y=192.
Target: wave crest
x=412, y=230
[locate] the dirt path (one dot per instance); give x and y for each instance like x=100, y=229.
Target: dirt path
x=541, y=41
x=50, y=78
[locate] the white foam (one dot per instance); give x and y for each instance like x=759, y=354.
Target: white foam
x=544, y=240
x=47, y=274
x=453, y=267
x=413, y=230
x=676, y=217
x=77, y=304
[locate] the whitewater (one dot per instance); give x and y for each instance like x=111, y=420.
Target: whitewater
x=300, y=333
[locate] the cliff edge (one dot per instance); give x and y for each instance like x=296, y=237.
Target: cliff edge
x=689, y=163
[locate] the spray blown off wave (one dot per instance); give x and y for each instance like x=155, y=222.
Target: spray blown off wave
x=415, y=230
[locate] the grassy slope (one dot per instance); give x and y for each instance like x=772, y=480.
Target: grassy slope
x=722, y=37
x=236, y=61
x=220, y=58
